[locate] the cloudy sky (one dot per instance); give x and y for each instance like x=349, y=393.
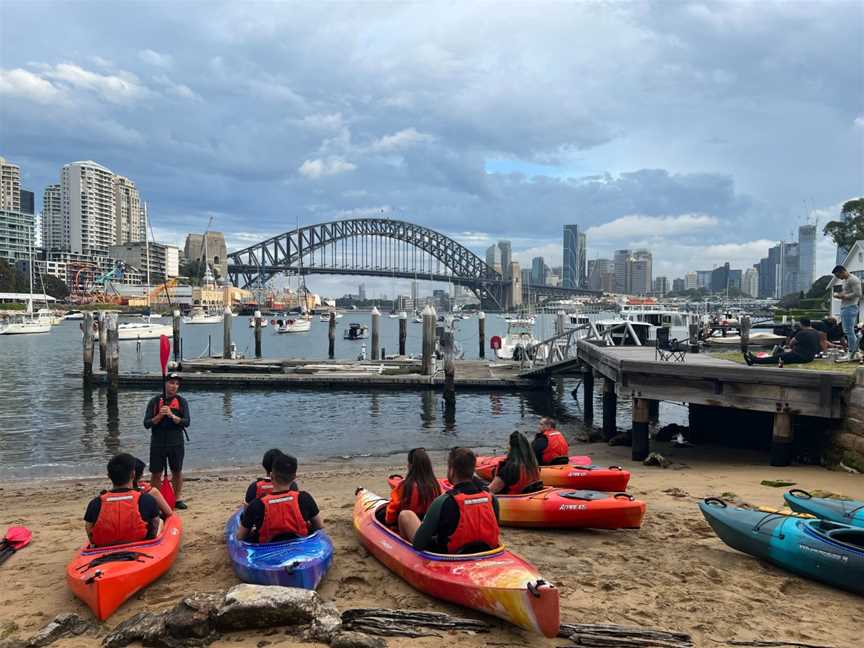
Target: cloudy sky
x=704, y=131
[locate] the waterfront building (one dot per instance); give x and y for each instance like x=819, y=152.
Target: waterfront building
x=493, y=258
x=16, y=235
x=679, y=285
x=163, y=258
x=506, y=258
x=28, y=204
x=691, y=281
x=661, y=286
x=575, y=261
x=130, y=221
x=55, y=231
x=806, y=256
x=217, y=252
x=750, y=282
x=10, y=186
x=88, y=204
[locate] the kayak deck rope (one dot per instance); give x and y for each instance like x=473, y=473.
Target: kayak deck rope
x=117, y=556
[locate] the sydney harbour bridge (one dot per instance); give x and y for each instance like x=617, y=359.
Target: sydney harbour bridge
x=381, y=247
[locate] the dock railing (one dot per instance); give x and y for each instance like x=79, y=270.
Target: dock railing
x=559, y=349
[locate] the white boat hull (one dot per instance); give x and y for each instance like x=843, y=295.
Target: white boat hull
x=25, y=328
x=143, y=331
x=300, y=326
x=210, y=319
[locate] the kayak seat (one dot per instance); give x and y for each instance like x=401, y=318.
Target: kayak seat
x=533, y=487
x=849, y=537
x=558, y=461
x=474, y=548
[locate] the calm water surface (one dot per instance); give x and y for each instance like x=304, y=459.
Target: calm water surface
x=48, y=420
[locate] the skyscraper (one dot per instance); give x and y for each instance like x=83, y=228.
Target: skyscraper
x=55, y=236
x=691, y=281
x=539, y=271
x=661, y=286
x=641, y=272
x=10, y=186
x=129, y=217
x=493, y=258
x=582, y=260
x=87, y=195
x=622, y=276
x=601, y=274
x=678, y=285
x=574, y=265
x=506, y=259
x=806, y=256
x=27, y=202
x=750, y=282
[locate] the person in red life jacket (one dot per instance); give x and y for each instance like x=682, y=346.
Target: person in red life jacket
x=167, y=422
x=145, y=487
x=264, y=485
x=283, y=514
x=462, y=520
x=122, y=514
x=550, y=446
x=416, y=492
x=519, y=473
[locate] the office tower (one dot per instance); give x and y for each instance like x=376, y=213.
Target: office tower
x=582, y=260
x=806, y=256
x=506, y=258
x=661, y=286
x=87, y=197
x=622, y=276
x=28, y=205
x=539, y=271
x=789, y=262
x=493, y=258
x=691, y=281
x=735, y=279
x=720, y=279
x=129, y=212
x=55, y=234
x=601, y=274
x=679, y=285
x=703, y=279
x=575, y=258
x=10, y=186
x=750, y=282
x=641, y=272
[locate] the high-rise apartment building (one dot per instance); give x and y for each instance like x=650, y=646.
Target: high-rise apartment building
x=16, y=235
x=750, y=282
x=575, y=264
x=806, y=256
x=87, y=202
x=10, y=186
x=691, y=281
x=506, y=258
x=130, y=222
x=55, y=232
x=493, y=258
x=622, y=276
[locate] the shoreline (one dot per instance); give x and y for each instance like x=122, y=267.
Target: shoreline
x=670, y=574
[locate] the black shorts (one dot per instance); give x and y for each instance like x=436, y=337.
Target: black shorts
x=172, y=455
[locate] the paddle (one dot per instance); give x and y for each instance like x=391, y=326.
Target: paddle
x=16, y=538
x=164, y=353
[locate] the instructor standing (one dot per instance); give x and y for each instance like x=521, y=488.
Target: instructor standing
x=849, y=295
x=167, y=420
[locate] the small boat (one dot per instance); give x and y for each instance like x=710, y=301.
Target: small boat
x=264, y=322
x=74, y=315
x=356, y=331
x=292, y=325
x=143, y=330
x=200, y=316
x=560, y=508
x=27, y=324
x=393, y=315
x=849, y=512
x=325, y=317
x=105, y=577
x=515, y=344
x=825, y=551
x=496, y=582
x=579, y=474
x=294, y=563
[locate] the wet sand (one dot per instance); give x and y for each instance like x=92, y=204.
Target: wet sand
x=673, y=573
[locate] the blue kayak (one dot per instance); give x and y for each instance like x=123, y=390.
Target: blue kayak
x=848, y=512
x=818, y=549
x=293, y=563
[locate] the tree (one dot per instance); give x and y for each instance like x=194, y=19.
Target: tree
x=819, y=287
x=850, y=228
x=13, y=281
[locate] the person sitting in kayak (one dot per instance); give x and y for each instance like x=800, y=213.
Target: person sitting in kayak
x=550, y=446
x=264, y=485
x=283, y=514
x=462, y=520
x=519, y=473
x=122, y=514
x=416, y=492
x=145, y=487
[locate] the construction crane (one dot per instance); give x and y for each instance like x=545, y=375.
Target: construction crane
x=167, y=288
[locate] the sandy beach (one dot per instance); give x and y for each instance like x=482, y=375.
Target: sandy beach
x=673, y=573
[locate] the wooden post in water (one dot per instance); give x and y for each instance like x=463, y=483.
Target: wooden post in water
x=103, y=338
x=175, y=326
x=403, y=331
x=113, y=359
x=610, y=409
x=376, y=332
x=481, y=331
x=226, y=333
x=331, y=336
x=781, y=439
x=449, y=368
x=588, y=394
x=88, y=347
x=694, y=334
x=257, y=334
x=428, y=339
x=560, y=322
x=745, y=333
x=641, y=445
x=653, y=410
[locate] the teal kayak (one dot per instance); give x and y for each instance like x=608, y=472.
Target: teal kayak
x=819, y=549
x=849, y=512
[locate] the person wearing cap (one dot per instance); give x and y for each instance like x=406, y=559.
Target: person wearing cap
x=167, y=420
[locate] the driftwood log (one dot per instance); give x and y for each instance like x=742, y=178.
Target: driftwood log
x=400, y=623
x=607, y=636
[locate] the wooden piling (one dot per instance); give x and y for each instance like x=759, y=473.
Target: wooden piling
x=781, y=439
x=694, y=334
x=175, y=325
x=226, y=333
x=88, y=347
x=641, y=445
x=447, y=347
x=588, y=394
x=103, y=338
x=429, y=318
x=376, y=332
x=113, y=357
x=481, y=331
x=610, y=409
x=331, y=336
x=653, y=410
x=403, y=331
x=257, y=334
x=744, y=330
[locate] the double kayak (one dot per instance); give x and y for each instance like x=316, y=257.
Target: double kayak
x=104, y=577
x=495, y=582
x=849, y=512
x=577, y=473
x=293, y=563
x=561, y=508
x=819, y=549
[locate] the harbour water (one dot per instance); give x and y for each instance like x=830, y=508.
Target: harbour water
x=49, y=422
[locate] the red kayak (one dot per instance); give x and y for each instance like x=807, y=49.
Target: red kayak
x=496, y=582
x=579, y=473
x=104, y=577
x=561, y=508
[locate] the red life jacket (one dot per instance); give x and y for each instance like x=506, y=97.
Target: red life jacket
x=282, y=515
x=557, y=446
x=145, y=487
x=477, y=523
x=119, y=519
x=525, y=480
x=263, y=487
x=174, y=405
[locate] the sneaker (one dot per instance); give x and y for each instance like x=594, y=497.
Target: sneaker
x=180, y=504
x=748, y=358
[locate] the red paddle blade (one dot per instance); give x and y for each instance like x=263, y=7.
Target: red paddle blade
x=18, y=537
x=164, y=352
x=167, y=491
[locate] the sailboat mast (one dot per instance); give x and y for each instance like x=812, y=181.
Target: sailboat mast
x=147, y=253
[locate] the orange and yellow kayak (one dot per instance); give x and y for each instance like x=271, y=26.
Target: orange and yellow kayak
x=105, y=577
x=496, y=582
x=578, y=473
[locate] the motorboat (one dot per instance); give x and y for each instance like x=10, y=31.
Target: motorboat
x=143, y=330
x=264, y=322
x=518, y=339
x=293, y=325
x=519, y=319
x=393, y=315
x=325, y=317
x=199, y=316
x=356, y=331
x=74, y=315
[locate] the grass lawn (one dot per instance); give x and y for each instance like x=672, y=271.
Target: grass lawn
x=816, y=365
